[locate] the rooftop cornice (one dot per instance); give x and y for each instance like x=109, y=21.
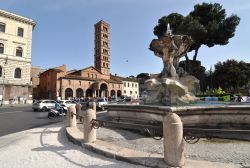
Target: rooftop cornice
x=17, y=17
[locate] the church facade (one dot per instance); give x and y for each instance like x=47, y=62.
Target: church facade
x=93, y=81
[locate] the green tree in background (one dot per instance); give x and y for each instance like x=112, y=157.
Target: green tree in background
x=207, y=24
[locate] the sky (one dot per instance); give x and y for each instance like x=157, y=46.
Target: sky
x=64, y=33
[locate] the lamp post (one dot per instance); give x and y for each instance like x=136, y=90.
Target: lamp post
x=3, y=89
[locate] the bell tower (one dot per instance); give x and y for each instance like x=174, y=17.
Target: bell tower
x=102, y=48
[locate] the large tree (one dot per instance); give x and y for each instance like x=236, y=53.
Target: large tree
x=231, y=74
x=207, y=24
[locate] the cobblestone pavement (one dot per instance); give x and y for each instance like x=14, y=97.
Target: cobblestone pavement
x=215, y=150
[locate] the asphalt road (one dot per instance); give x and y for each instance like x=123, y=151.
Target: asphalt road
x=16, y=119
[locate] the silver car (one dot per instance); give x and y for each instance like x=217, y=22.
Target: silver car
x=43, y=105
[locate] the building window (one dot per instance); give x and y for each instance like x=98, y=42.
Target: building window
x=17, y=73
x=103, y=64
x=95, y=76
x=132, y=84
x=136, y=85
x=92, y=75
x=105, y=29
x=113, y=85
x=1, y=70
x=105, y=51
x=2, y=27
x=124, y=84
x=19, y=51
x=1, y=48
x=105, y=35
x=135, y=92
x=128, y=84
x=124, y=91
x=20, y=31
x=69, y=82
x=80, y=83
x=88, y=75
x=131, y=92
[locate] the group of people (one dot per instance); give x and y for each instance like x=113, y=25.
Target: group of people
x=238, y=98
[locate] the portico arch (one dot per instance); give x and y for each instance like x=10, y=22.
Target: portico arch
x=112, y=93
x=119, y=93
x=68, y=93
x=79, y=93
x=103, y=90
x=89, y=93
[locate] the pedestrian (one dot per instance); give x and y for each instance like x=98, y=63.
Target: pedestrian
x=239, y=98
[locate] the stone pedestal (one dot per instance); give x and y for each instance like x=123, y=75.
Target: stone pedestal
x=173, y=140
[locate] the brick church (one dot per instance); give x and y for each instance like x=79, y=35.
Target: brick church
x=93, y=81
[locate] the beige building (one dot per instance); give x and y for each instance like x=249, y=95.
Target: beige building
x=15, y=57
x=130, y=87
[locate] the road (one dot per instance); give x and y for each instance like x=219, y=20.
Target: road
x=16, y=119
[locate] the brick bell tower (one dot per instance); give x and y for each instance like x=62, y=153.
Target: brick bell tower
x=102, y=48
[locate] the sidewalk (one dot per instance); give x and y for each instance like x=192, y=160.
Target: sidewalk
x=49, y=147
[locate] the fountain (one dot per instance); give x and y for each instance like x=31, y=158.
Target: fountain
x=167, y=89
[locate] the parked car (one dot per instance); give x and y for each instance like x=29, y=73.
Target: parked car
x=100, y=103
x=68, y=103
x=43, y=105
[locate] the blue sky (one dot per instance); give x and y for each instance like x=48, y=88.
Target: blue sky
x=65, y=32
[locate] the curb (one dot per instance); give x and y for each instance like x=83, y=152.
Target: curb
x=135, y=157
x=116, y=152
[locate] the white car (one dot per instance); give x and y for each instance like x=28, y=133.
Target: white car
x=67, y=103
x=100, y=103
x=43, y=105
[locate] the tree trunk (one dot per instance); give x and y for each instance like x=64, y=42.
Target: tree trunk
x=196, y=53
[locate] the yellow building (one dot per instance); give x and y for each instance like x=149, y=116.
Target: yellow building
x=15, y=57
x=130, y=88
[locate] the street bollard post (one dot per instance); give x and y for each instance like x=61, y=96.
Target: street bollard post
x=89, y=131
x=72, y=116
x=173, y=140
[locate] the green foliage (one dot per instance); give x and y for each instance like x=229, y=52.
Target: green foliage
x=231, y=75
x=207, y=24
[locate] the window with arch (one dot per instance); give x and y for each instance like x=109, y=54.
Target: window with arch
x=18, y=73
x=1, y=48
x=19, y=51
x=2, y=27
x=1, y=71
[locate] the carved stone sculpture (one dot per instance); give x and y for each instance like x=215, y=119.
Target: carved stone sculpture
x=167, y=90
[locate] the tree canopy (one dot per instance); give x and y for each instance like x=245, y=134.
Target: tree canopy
x=231, y=75
x=207, y=24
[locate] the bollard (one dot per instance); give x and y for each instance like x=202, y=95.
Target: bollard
x=78, y=110
x=89, y=131
x=72, y=118
x=173, y=140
